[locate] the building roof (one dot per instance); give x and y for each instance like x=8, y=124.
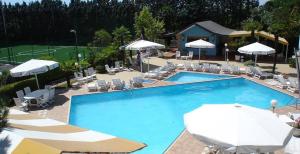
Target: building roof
x=221, y=30
x=216, y=28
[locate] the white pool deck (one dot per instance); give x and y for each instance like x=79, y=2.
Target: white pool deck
x=185, y=143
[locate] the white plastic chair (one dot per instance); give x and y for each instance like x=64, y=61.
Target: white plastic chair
x=23, y=105
x=27, y=90
x=51, y=95
x=20, y=95
x=43, y=102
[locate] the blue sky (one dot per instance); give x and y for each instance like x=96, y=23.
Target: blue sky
x=67, y=1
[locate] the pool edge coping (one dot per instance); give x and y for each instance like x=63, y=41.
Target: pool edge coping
x=175, y=140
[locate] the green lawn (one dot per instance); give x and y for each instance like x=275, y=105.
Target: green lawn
x=22, y=53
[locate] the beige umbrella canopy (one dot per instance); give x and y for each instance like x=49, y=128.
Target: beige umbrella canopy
x=28, y=133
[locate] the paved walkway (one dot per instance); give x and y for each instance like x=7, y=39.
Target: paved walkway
x=185, y=143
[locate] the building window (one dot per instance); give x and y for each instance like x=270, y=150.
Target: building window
x=194, y=38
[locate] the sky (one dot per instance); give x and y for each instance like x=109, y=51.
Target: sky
x=67, y=1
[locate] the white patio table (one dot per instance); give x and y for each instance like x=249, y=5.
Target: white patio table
x=36, y=94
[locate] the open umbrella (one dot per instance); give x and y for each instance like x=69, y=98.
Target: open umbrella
x=33, y=67
x=256, y=49
x=238, y=128
x=143, y=45
x=199, y=44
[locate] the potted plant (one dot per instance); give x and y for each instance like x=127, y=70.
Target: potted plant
x=296, y=126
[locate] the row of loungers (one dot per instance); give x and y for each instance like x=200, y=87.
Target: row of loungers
x=161, y=72
x=290, y=84
x=117, y=84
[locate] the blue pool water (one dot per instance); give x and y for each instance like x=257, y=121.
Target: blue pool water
x=154, y=116
x=183, y=77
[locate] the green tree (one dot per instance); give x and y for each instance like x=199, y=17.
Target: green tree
x=3, y=77
x=147, y=26
x=102, y=38
x=282, y=18
x=121, y=35
x=3, y=113
x=68, y=67
x=252, y=25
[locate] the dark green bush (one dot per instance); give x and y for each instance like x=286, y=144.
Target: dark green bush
x=249, y=63
x=9, y=90
x=100, y=69
x=292, y=62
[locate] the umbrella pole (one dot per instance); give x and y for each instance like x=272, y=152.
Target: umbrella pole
x=37, y=81
x=255, y=60
x=199, y=54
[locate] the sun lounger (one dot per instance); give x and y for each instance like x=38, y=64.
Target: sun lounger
x=153, y=75
x=92, y=87
x=137, y=82
x=103, y=85
x=235, y=70
x=282, y=82
x=196, y=67
x=226, y=69
x=79, y=78
x=91, y=72
x=162, y=71
x=110, y=70
x=214, y=69
x=293, y=85
x=294, y=116
x=118, y=67
x=261, y=74
x=188, y=66
x=118, y=84
x=23, y=105
x=171, y=66
x=205, y=67
x=272, y=82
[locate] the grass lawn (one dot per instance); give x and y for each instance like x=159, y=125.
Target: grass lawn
x=22, y=53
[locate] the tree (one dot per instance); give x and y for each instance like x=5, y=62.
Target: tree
x=68, y=67
x=3, y=113
x=277, y=29
x=102, y=38
x=3, y=77
x=147, y=26
x=251, y=25
x=282, y=18
x=121, y=35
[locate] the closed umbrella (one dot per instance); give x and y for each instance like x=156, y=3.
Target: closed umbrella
x=199, y=44
x=238, y=128
x=256, y=49
x=143, y=45
x=33, y=67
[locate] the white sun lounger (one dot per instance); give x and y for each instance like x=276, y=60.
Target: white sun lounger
x=110, y=70
x=118, y=84
x=226, y=69
x=197, y=67
x=282, y=82
x=103, y=85
x=137, y=82
x=293, y=85
x=188, y=66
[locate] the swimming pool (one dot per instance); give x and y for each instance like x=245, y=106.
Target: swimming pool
x=183, y=77
x=154, y=116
